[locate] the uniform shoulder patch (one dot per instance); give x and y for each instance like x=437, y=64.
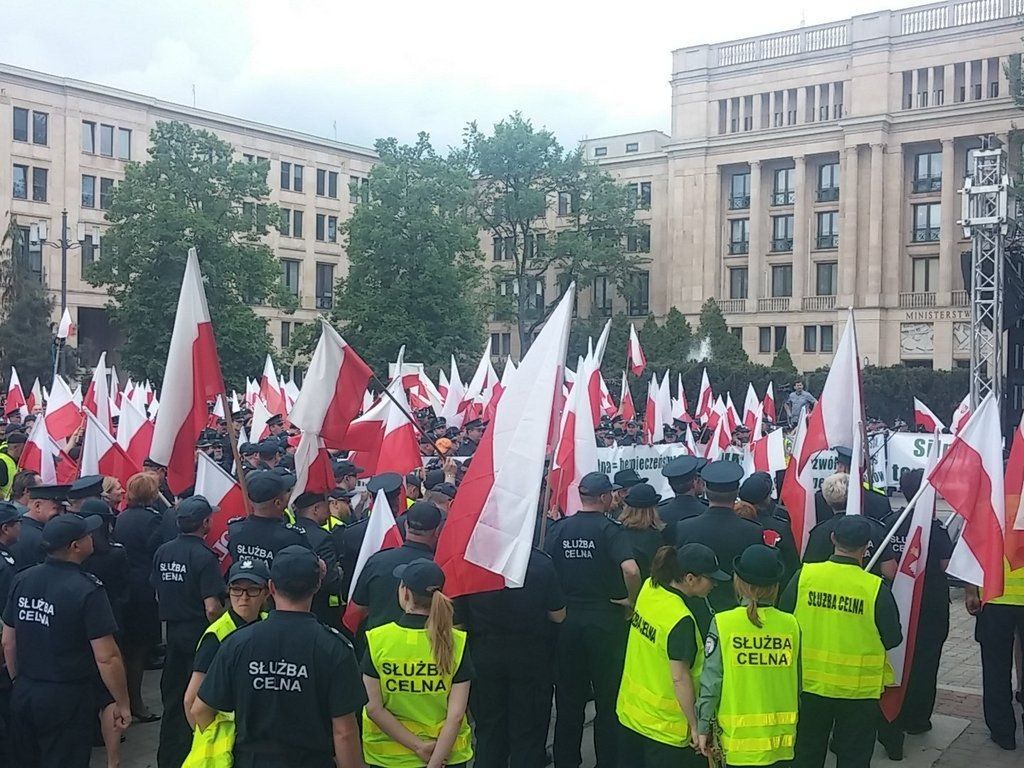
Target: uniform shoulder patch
x=710, y=644
x=234, y=520
x=337, y=634
x=93, y=578
x=115, y=545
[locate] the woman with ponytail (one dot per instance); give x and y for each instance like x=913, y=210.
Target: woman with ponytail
x=417, y=672
x=750, y=684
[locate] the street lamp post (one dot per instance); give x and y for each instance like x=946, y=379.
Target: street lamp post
x=65, y=246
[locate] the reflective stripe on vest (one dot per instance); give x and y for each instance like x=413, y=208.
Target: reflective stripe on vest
x=12, y=470
x=415, y=692
x=1013, y=586
x=760, y=686
x=843, y=656
x=647, y=701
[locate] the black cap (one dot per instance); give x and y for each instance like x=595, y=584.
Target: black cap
x=341, y=493
x=269, y=447
x=264, y=485
x=17, y=437
x=84, y=487
x=93, y=506
x=249, y=569
x=422, y=576
x=438, y=423
x=596, y=483
x=9, y=513
x=52, y=492
x=446, y=489
x=195, y=509
x=627, y=478
x=844, y=455
x=346, y=468
x=681, y=466
x=722, y=476
x=759, y=565
x=852, y=532
x=296, y=569
x=432, y=478
x=389, y=482
x=248, y=449
x=412, y=479
x=274, y=420
x=642, y=495
x=307, y=500
x=756, y=488
x=422, y=516
x=701, y=560
x=153, y=463
x=62, y=530
x=474, y=424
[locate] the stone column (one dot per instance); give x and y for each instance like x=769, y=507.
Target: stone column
x=947, y=83
x=848, y=194
x=758, y=103
x=968, y=80
x=728, y=115
x=801, y=227
x=915, y=86
x=1004, y=82
x=949, y=231
x=801, y=105
x=758, y=243
x=785, y=106
x=875, y=213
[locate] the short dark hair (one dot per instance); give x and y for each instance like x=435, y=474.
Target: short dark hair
x=682, y=484
x=190, y=524
x=24, y=480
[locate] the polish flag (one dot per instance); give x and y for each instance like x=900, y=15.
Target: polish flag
x=313, y=470
x=665, y=400
x=34, y=401
x=768, y=453
x=715, y=414
x=576, y=452
x=1015, y=499
x=97, y=397
x=225, y=494
x=720, y=440
x=15, y=396
x=66, y=327
x=381, y=533
x=332, y=392
x=907, y=588
x=252, y=391
x=77, y=397
x=192, y=378
x=652, y=424
x=750, y=408
x=500, y=387
x=101, y=455
x=961, y=415
x=454, y=397
x=768, y=404
x=732, y=416
x=260, y=416
x=270, y=390
x=40, y=453
x=442, y=386
x=705, y=399
x=680, y=410
x=599, y=397
x=923, y=417
x=635, y=354
x=115, y=387
x=63, y=417
x=154, y=406
x=395, y=447
x=797, y=492
x=134, y=432
x=481, y=387
x=970, y=478
x=486, y=541
x=626, y=408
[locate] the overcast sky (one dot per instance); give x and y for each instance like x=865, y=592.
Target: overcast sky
x=389, y=68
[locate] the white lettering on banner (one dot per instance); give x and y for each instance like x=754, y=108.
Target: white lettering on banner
x=646, y=460
x=909, y=450
x=824, y=464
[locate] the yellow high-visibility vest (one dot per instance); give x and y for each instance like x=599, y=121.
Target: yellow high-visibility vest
x=1013, y=589
x=415, y=691
x=647, y=700
x=12, y=470
x=843, y=655
x=760, y=686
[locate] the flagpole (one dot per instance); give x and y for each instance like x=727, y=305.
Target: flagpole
x=408, y=415
x=233, y=435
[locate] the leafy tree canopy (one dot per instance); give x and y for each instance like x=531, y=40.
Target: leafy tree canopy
x=25, y=337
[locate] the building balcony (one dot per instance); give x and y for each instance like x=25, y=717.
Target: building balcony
x=732, y=306
x=782, y=244
x=827, y=195
x=926, y=184
x=739, y=202
x=783, y=197
x=961, y=299
x=925, y=235
x=773, y=304
x=818, y=303
x=825, y=242
x=739, y=248
x=914, y=300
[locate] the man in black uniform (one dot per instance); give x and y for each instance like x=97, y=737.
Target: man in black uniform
x=757, y=490
x=190, y=590
x=58, y=641
x=265, y=532
x=10, y=524
x=45, y=504
x=683, y=474
x=720, y=528
x=376, y=592
x=311, y=512
x=293, y=684
x=474, y=433
x=599, y=576
x=511, y=641
x=874, y=504
x=87, y=487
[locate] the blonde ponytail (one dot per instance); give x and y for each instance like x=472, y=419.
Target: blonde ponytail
x=754, y=594
x=439, y=632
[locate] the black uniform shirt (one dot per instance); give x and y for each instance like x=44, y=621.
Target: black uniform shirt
x=377, y=588
x=820, y=547
x=778, y=533
x=28, y=550
x=7, y=570
x=109, y=564
x=728, y=535
x=348, y=540
x=322, y=543
x=209, y=645
x=262, y=537
x=682, y=638
x=935, y=593
x=467, y=448
x=588, y=550
x=138, y=529
x=464, y=672
x=645, y=542
x=678, y=508
x=284, y=678
x=185, y=573
x=875, y=506
x=57, y=609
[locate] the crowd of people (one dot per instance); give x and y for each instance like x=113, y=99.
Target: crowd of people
x=692, y=623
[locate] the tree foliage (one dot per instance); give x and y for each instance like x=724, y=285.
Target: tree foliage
x=783, y=363
x=190, y=193
x=25, y=337
x=723, y=346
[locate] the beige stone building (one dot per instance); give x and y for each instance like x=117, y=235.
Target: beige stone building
x=816, y=169
x=64, y=145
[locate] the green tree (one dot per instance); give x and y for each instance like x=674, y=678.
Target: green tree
x=415, y=270
x=724, y=346
x=520, y=173
x=190, y=193
x=25, y=337
x=783, y=364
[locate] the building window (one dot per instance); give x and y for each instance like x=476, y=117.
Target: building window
x=782, y=233
x=764, y=339
x=631, y=147
x=286, y=175
x=810, y=338
x=90, y=252
x=501, y=344
x=600, y=151
x=825, y=338
x=926, y=223
x=20, y=182
x=124, y=144
x=828, y=183
x=88, y=191
x=321, y=182
x=332, y=184
x=25, y=253
x=926, y=274
x=290, y=275
x=497, y=243
x=286, y=334
x=738, y=283
x=39, y=179
x=602, y=297
x=332, y=229
x=817, y=338
x=40, y=126
x=88, y=137
x=249, y=215
x=826, y=277
x=20, y=124
x=324, y=286
x=928, y=172
x=638, y=299
x=107, y=140
x=739, y=191
x=297, y=178
x=643, y=199
x=828, y=229
x=321, y=227
x=783, y=192
x=285, y=225
x=638, y=239
x=780, y=338
x=567, y=204
x=782, y=280
x=297, y=224
x=739, y=236
x=106, y=193
x=536, y=245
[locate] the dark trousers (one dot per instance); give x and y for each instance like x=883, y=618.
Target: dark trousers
x=995, y=629
x=175, y=734
x=919, y=702
x=511, y=700
x=851, y=722
x=52, y=723
x=590, y=657
x=638, y=751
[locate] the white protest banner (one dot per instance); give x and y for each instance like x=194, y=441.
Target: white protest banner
x=648, y=460
x=823, y=464
x=909, y=450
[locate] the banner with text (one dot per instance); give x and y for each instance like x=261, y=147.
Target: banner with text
x=647, y=461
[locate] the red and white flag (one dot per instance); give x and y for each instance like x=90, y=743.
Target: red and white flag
x=381, y=533
x=635, y=354
x=252, y=391
x=486, y=541
x=652, y=419
x=797, y=492
x=65, y=327
x=101, y=455
x=314, y=472
x=34, y=401
x=192, y=378
x=442, y=386
x=626, y=408
x=480, y=389
x=63, y=417
x=115, y=387
x=961, y=415
x=1014, y=487
x=499, y=388
x=595, y=384
x=768, y=453
x=450, y=411
x=394, y=446
x=721, y=439
x=751, y=406
x=705, y=399
x=270, y=390
x=576, y=452
x=258, y=426
x=220, y=489
x=923, y=417
x=332, y=392
x=97, y=397
x=134, y=432
x=680, y=410
x=15, y=396
x=970, y=478
x=732, y=415
x=40, y=453
x=768, y=404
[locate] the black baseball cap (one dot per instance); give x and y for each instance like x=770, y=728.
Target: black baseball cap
x=628, y=477
x=422, y=576
x=446, y=489
x=422, y=516
x=248, y=449
x=307, y=500
x=413, y=479
x=597, y=483
x=94, y=506
x=296, y=569
x=346, y=468
x=84, y=487
x=16, y=437
x=844, y=455
x=433, y=478
x=250, y=569
x=195, y=509
x=701, y=560
x=852, y=532
x=63, y=530
x=9, y=513
x=756, y=488
x=264, y=485
x=269, y=447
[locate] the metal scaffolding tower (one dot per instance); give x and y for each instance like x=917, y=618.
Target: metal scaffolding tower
x=984, y=219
